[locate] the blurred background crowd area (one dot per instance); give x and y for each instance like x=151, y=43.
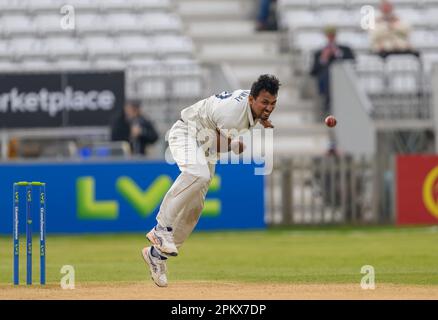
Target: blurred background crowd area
x=368, y=62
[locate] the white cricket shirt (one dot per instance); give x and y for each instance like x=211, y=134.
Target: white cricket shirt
x=228, y=111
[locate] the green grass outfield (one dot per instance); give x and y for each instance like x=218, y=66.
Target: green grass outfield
x=299, y=255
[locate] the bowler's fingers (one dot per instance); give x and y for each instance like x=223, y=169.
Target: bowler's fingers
x=267, y=124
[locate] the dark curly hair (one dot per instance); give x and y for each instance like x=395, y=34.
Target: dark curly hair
x=266, y=82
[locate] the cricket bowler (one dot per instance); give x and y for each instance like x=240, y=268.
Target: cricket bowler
x=220, y=120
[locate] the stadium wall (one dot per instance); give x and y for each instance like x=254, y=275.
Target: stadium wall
x=125, y=196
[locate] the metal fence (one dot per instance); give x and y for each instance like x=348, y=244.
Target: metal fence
x=328, y=189
x=398, y=86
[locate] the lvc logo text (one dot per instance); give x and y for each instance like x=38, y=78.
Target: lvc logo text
x=144, y=202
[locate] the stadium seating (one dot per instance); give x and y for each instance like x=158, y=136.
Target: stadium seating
x=90, y=23
x=160, y=31
x=28, y=48
x=113, y=34
x=100, y=46
x=145, y=38
x=16, y=24
x=305, y=20
x=398, y=80
x=44, y=6
x=98, y=26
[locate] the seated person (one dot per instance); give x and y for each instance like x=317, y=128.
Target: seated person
x=390, y=35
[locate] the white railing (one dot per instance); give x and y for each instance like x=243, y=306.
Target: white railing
x=323, y=190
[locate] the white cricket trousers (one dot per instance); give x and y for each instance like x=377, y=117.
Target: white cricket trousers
x=183, y=203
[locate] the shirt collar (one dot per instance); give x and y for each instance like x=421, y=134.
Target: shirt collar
x=250, y=118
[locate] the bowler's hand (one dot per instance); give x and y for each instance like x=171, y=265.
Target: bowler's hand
x=237, y=146
x=266, y=123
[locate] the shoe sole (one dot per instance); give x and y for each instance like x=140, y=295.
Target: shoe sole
x=147, y=263
x=153, y=240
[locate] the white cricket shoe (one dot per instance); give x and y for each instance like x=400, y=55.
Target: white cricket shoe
x=163, y=241
x=157, y=267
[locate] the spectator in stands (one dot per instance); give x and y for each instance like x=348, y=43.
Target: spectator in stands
x=13, y=147
x=322, y=61
x=264, y=23
x=390, y=35
x=131, y=126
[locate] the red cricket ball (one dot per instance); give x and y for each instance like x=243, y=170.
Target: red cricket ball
x=330, y=121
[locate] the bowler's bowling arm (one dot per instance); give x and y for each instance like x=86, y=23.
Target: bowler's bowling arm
x=225, y=144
